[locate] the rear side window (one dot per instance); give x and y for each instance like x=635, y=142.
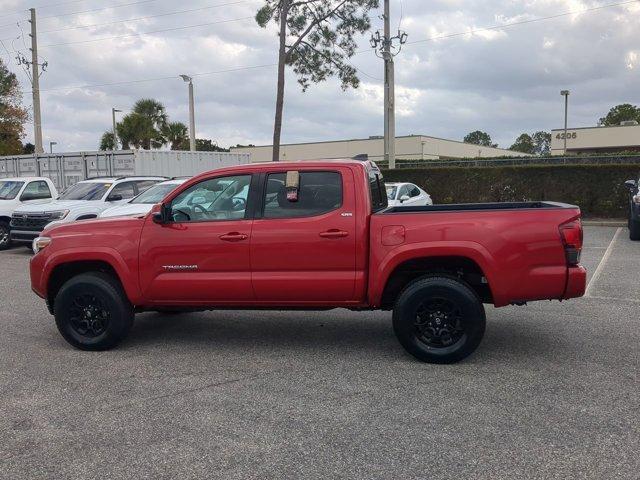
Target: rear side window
x=318, y=193
x=126, y=189
x=144, y=185
x=379, y=200
x=36, y=191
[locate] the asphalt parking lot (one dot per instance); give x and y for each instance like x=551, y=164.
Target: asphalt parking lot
x=553, y=391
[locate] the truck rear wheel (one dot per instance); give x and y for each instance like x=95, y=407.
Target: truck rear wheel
x=92, y=312
x=634, y=229
x=5, y=239
x=439, y=319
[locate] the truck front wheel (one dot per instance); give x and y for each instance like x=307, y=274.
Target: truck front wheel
x=92, y=312
x=439, y=319
x=5, y=239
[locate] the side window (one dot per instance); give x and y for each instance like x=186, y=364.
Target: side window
x=36, y=191
x=125, y=189
x=143, y=185
x=379, y=200
x=216, y=199
x=414, y=191
x=319, y=192
x=404, y=191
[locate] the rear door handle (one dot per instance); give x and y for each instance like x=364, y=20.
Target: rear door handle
x=233, y=237
x=334, y=234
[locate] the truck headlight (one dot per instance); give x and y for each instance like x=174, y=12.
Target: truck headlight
x=40, y=243
x=58, y=215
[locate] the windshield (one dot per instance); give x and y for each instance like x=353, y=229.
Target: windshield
x=9, y=189
x=391, y=192
x=155, y=194
x=86, y=191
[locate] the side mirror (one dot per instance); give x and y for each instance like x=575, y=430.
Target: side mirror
x=631, y=184
x=163, y=216
x=115, y=198
x=404, y=198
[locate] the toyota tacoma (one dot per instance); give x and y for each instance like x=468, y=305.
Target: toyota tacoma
x=309, y=235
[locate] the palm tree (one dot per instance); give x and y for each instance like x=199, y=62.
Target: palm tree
x=107, y=142
x=136, y=130
x=175, y=133
x=157, y=114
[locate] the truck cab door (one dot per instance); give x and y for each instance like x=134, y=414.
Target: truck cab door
x=201, y=255
x=303, y=249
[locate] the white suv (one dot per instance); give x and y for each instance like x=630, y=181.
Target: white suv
x=15, y=192
x=82, y=201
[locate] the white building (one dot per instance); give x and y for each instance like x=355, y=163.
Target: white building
x=413, y=147
x=620, y=138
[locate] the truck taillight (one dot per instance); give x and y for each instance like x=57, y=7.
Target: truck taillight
x=572, y=237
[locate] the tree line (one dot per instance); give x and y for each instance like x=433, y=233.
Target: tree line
x=539, y=143
x=148, y=126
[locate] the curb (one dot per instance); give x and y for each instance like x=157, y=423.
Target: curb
x=604, y=223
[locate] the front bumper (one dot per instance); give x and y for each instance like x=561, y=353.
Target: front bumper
x=24, y=236
x=576, y=282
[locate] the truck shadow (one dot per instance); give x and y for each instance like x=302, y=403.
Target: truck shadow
x=338, y=332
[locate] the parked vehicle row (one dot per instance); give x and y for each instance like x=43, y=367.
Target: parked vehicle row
x=83, y=201
x=309, y=235
x=18, y=192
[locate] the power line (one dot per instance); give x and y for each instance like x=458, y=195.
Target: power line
x=145, y=33
x=521, y=22
x=98, y=9
x=85, y=11
x=171, y=77
x=76, y=27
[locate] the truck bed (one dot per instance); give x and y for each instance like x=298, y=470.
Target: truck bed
x=465, y=207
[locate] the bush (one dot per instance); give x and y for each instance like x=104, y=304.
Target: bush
x=597, y=189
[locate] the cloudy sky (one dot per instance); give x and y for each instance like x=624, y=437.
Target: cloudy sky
x=104, y=54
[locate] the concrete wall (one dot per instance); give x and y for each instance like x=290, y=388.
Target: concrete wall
x=593, y=140
x=411, y=147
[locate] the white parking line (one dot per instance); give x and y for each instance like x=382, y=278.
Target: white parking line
x=603, y=261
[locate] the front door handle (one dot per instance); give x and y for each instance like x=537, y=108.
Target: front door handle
x=334, y=234
x=233, y=237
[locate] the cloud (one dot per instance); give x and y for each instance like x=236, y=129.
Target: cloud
x=505, y=80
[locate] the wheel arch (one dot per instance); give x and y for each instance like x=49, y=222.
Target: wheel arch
x=68, y=263
x=462, y=267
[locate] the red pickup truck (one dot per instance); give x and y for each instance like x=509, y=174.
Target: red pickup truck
x=309, y=235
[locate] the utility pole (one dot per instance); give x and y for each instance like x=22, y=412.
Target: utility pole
x=385, y=49
x=389, y=92
x=565, y=94
x=115, y=131
x=192, y=114
x=35, y=83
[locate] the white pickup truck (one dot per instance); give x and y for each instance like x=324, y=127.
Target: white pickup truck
x=82, y=201
x=17, y=192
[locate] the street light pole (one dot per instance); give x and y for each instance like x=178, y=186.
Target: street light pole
x=565, y=94
x=115, y=132
x=51, y=144
x=192, y=114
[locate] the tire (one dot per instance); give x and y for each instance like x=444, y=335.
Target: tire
x=439, y=319
x=634, y=229
x=92, y=312
x=5, y=239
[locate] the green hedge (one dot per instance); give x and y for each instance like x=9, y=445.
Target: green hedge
x=597, y=189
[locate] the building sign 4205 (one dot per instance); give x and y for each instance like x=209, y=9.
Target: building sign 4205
x=571, y=135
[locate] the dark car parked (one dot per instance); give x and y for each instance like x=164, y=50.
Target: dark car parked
x=634, y=209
